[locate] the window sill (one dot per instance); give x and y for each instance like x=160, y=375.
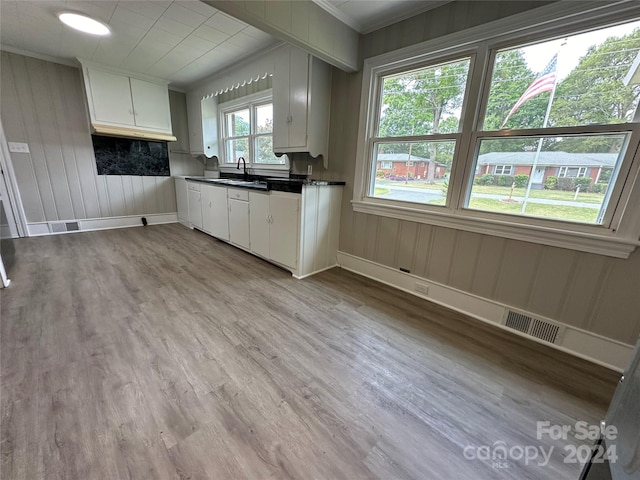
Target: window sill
x=606, y=243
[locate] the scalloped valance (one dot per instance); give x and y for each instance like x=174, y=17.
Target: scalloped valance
x=228, y=88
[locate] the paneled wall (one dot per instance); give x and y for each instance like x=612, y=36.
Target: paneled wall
x=43, y=105
x=597, y=293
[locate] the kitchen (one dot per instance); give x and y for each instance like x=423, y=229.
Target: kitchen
x=45, y=105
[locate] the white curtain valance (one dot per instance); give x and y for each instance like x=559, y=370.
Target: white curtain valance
x=228, y=88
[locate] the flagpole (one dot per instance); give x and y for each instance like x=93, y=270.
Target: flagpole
x=544, y=125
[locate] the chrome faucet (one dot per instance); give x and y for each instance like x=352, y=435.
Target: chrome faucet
x=244, y=167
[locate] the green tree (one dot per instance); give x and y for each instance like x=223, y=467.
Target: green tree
x=419, y=103
x=593, y=93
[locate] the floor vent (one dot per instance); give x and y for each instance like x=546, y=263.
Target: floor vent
x=542, y=329
x=59, y=227
x=518, y=321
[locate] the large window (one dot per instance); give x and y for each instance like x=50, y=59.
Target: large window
x=538, y=135
x=417, y=131
x=247, y=132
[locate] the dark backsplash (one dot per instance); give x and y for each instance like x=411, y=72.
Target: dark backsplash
x=124, y=156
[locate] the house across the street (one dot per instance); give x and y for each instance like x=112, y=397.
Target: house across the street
x=404, y=165
x=557, y=164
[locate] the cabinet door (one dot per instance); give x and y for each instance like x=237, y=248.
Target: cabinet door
x=215, y=212
x=258, y=223
x=299, y=98
x=182, y=200
x=281, y=95
x=150, y=105
x=209, y=108
x=195, y=209
x=239, y=222
x=283, y=231
x=111, y=98
x=194, y=119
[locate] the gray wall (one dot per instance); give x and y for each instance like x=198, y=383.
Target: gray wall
x=42, y=104
x=597, y=293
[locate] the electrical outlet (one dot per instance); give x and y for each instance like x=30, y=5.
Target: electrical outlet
x=16, y=147
x=422, y=288
x=309, y=169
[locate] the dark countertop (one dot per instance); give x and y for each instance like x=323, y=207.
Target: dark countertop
x=293, y=185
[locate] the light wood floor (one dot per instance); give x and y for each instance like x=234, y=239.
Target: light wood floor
x=161, y=353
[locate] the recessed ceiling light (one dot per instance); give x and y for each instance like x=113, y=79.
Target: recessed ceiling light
x=84, y=23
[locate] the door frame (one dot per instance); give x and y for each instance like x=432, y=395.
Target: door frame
x=9, y=190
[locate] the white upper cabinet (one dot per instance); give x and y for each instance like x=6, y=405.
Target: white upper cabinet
x=150, y=105
x=110, y=97
x=195, y=119
x=124, y=102
x=301, y=101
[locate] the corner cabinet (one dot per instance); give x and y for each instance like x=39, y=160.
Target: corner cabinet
x=117, y=100
x=301, y=101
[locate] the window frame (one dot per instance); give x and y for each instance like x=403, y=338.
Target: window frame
x=250, y=102
x=617, y=236
x=502, y=168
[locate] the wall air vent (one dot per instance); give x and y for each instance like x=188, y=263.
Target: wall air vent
x=61, y=227
x=542, y=329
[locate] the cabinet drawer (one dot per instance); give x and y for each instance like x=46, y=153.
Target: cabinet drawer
x=238, y=194
x=193, y=186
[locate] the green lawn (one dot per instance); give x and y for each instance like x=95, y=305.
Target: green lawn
x=575, y=214
x=377, y=191
x=596, y=198
x=546, y=194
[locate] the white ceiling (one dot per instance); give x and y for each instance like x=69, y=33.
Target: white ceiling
x=180, y=41
x=368, y=15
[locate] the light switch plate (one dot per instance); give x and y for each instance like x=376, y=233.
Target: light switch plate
x=16, y=147
x=309, y=169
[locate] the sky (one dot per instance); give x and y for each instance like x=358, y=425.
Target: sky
x=569, y=54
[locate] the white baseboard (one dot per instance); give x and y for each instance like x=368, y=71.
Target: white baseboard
x=105, y=223
x=598, y=349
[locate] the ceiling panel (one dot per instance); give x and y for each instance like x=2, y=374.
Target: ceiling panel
x=185, y=15
x=225, y=23
x=180, y=41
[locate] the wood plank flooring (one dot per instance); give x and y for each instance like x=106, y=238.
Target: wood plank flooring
x=161, y=353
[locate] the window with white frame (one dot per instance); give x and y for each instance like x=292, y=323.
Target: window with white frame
x=572, y=172
x=419, y=116
x=247, y=132
x=386, y=165
x=502, y=170
x=564, y=97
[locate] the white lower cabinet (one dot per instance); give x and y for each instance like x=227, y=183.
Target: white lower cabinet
x=239, y=217
x=215, y=211
x=275, y=225
x=259, y=223
x=182, y=201
x=195, y=205
x=296, y=231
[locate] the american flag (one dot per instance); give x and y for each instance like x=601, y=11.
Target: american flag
x=545, y=82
